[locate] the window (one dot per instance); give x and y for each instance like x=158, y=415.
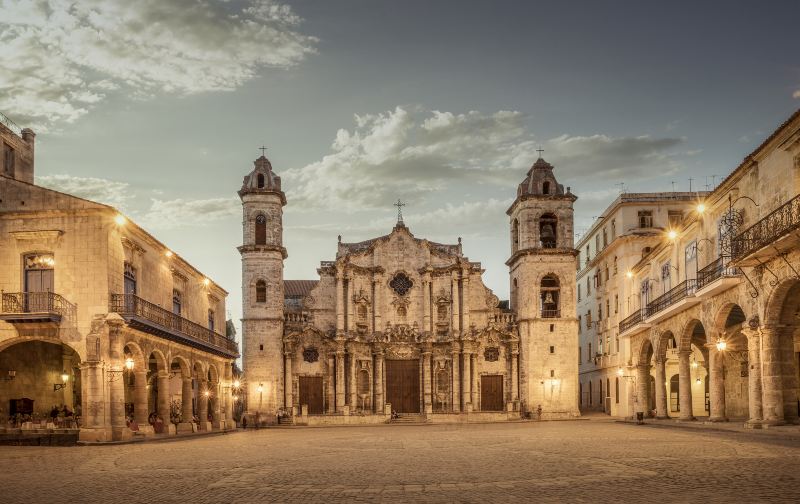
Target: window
x=261, y=291
x=589, y=357
x=515, y=236
x=600, y=313
x=8, y=160
x=605, y=238
x=645, y=218
x=588, y=286
x=616, y=303
x=590, y=392
x=580, y=321
x=597, y=243
x=615, y=265
x=588, y=257
x=666, y=276
x=579, y=292
x=608, y=311
x=441, y=312
x=606, y=271
x=176, y=301
x=616, y=390
x=552, y=349
x=261, y=230
x=260, y=180
x=675, y=218
x=211, y=320
x=613, y=229
x=550, y=293
x=546, y=188
x=401, y=284
x=548, y=223
x=580, y=353
x=129, y=279
x=589, y=319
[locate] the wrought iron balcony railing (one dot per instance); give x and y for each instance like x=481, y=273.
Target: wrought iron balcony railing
x=672, y=296
x=154, y=319
x=35, y=307
x=782, y=221
x=551, y=313
x=630, y=321
x=717, y=269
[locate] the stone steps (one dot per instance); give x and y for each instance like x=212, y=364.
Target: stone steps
x=409, y=419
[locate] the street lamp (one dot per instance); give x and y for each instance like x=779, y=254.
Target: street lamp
x=63, y=384
x=721, y=345
x=260, y=388
x=672, y=234
x=129, y=363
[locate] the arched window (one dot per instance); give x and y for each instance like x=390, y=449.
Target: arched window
x=515, y=236
x=261, y=291
x=550, y=294
x=546, y=188
x=547, y=230
x=362, y=312
x=260, y=180
x=261, y=230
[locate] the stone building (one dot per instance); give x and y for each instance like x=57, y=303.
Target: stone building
x=631, y=226
x=99, y=316
x=406, y=324
x=721, y=292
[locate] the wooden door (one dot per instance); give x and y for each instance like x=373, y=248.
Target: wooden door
x=402, y=385
x=492, y=393
x=311, y=394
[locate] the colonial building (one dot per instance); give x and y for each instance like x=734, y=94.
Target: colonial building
x=721, y=292
x=401, y=323
x=628, y=230
x=99, y=317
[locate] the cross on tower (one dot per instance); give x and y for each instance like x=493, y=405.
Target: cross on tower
x=262, y=149
x=540, y=150
x=399, y=206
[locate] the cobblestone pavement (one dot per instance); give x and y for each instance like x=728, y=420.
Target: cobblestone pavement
x=582, y=461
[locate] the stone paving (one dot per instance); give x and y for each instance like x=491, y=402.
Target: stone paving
x=580, y=461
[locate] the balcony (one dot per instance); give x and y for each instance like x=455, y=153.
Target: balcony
x=633, y=324
x=153, y=319
x=505, y=318
x=716, y=277
x=674, y=300
x=23, y=307
x=770, y=236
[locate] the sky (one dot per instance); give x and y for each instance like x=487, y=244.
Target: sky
x=158, y=108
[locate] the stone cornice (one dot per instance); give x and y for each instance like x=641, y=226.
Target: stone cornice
x=243, y=249
x=541, y=251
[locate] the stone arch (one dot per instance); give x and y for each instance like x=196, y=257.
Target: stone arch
x=644, y=352
x=199, y=370
x=133, y=350
x=260, y=229
x=212, y=373
x=182, y=365
x=159, y=357
x=729, y=316
x=81, y=353
x=661, y=343
x=693, y=332
x=548, y=230
x=783, y=304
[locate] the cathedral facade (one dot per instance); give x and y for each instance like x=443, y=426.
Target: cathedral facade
x=400, y=324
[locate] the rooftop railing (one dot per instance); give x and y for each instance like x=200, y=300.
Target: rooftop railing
x=8, y=123
x=154, y=319
x=775, y=225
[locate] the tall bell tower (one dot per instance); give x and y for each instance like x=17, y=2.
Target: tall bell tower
x=262, y=289
x=542, y=274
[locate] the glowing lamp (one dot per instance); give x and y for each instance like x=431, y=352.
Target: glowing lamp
x=260, y=388
x=168, y=253
x=721, y=345
x=237, y=384
x=129, y=363
x=120, y=220
x=697, y=381
x=206, y=393
x=629, y=274
x=206, y=282
x=235, y=398
x=619, y=372
x=701, y=207
x=64, y=376
x=672, y=234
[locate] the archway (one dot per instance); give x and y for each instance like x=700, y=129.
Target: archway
x=693, y=370
x=200, y=395
x=781, y=362
x=158, y=397
x=134, y=374
x=735, y=370
x=645, y=394
x=42, y=383
x=181, y=394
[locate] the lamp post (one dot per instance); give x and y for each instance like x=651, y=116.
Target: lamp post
x=63, y=384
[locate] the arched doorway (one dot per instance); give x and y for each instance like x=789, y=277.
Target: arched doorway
x=693, y=371
x=735, y=364
x=781, y=362
x=181, y=394
x=646, y=386
x=42, y=384
x=134, y=375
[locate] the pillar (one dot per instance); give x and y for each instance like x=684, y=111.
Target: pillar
x=215, y=405
x=661, y=390
x=352, y=379
x=456, y=309
x=340, y=379
x=426, y=304
x=716, y=385
x=330, y=383
x=186, y=400
x=288, y=400
x=350, y=305
x=515, y=374
x=465, y=302
x=66, y=365
x=456, y=399
x=162, y=400
x=473, y=386
x=466, y=382
x=377, y=388
x=202, y=402
x=339, y=301
x=426, y=380
x=116, y=385
x=643, y=384
x=140, y=412
x=685, y=385
x=771, y=379
x=376, y=304
x=93, y=412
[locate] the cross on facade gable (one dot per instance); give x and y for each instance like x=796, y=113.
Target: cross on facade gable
x=262, y=149
x=540, y=150
x=399, y=206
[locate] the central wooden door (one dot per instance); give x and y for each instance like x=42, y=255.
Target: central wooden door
x=492, y=393
x=311, y=393
x=402, y=385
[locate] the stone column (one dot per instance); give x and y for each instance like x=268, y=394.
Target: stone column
x=331, y=381
x=466, y=379
x=116, y=385
x=377, y=388
x=376, y=304
x=456, y=392
x=426, y=379
x=202, y=403
x=215, y=405
x=426, y=303
x=140, y=412
x=771, y=377
x=455, y=296
x=465, y=302
x=352, y=379
x=716, y=385
x=643, y=384
x=515, y=373
x=66, y=363
x=93, y=402
x=685, y=385
x=473, y=383
x=340, y=379
x=661, y=390
x=162, y=401
x=350, y=305
x=187, y=392
x=288, y=379
x=339, y=301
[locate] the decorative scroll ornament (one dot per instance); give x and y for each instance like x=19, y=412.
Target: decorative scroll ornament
x=491, y=354
x=310, y=354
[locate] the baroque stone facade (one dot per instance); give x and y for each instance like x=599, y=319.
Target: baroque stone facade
x=404, y=324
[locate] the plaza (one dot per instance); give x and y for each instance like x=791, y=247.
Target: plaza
x=570, y=461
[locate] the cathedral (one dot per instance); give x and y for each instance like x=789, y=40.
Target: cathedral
x=399, y=326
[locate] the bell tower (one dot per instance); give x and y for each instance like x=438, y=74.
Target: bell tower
x=262, y=254
x=542, y=275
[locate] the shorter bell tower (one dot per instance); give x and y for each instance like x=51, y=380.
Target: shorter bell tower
x=542, y=271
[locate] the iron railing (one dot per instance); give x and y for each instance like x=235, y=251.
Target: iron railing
x=672, y=296
x=717, y=269
x=630, y=321
x=778, y=223
x=551, y=313
x=35, y=302
x=131, y=305
x=8, y=123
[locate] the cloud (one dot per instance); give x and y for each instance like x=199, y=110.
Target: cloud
x=176, y=213
x=415, y=153
x=58, y=58
x=796, y=94
x=110, y=192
